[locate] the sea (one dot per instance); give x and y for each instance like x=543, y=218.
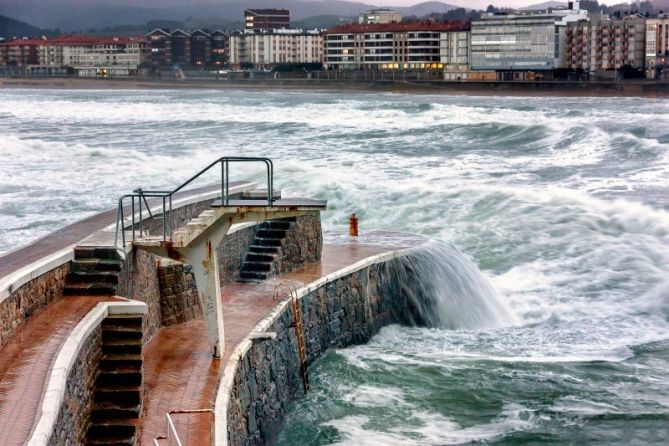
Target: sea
x=555, y=210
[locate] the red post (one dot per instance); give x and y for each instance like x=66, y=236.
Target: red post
x=353, y=226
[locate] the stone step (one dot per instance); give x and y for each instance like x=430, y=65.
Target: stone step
x=106, y=410
x=110, y=442
x=117, y=361
x=121, y=333
x=275, y=242
x=130, y=321
x=92, y=252
x=119, y=377
x=271, y=233
x=122, y=346
x=256, y=266
x=97, y=265
x=106, y=277
x=252, y=276
x=264, y=249
x=121, y=429
x=89, y=289
x=254, y=257
x=276, y=224
x=118, y=394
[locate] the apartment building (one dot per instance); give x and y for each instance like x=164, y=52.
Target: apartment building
x=657, y=47
x=381, y=15
x=85, y=55
x=602, y=46
x=266, y=19
x=279, y=47
x=196, y=48
x=20, y=52
x=521, y=43
x=397, y=46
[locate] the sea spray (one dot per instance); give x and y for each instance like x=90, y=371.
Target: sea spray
x=446, y=290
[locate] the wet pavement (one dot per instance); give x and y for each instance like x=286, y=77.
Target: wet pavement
x=179, y=371
x=26, y=360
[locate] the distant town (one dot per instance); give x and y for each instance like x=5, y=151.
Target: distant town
x=554, y=44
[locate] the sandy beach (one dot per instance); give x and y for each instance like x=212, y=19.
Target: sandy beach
x=558, y=88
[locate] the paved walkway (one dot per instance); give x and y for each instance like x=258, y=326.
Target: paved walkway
x=26, y=361
x=179, y=371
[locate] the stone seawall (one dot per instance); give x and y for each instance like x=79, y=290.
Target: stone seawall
x=31, y=297
x=231, y=253
x=74, y=415
x=179, y=301
x=345, y=311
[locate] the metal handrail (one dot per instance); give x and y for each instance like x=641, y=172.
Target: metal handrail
x=172, y=433
x=140, y=196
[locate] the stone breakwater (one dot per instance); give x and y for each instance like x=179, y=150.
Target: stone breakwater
x=345, y=311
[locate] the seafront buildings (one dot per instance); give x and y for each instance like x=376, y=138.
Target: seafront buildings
x=556, y=44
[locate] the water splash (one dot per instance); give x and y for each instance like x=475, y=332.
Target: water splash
x=447, y=290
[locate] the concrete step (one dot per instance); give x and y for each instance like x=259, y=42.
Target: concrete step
x=106, y=410
x=122, y=346
x=89, y=289
x=253, y=257
x=252, y=276
x=275, y=242
x=276, y=224
x=125, y=322
x=119, y=377
x=121, y=429
x=257, y=267
x=93, y=264
x=120, y=333
x=93, y=252
x=106, y=277
x=271, y=233
x=264, y=249
x=118, y=361
x=118, y=394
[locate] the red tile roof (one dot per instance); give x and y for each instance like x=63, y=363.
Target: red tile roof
x=399, y=27
x=75, y=40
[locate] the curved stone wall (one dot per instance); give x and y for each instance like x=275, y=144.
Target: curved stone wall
x=338, y=312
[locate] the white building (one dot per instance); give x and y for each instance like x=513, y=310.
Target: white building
x=397, y=46
x=524, y=41
x=381, y=15
x=278, y=47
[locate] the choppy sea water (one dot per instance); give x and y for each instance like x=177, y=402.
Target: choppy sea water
x=562, y=203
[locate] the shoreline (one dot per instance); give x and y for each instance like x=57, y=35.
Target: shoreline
x=487, y=88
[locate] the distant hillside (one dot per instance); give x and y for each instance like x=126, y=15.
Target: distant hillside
x=425, y=8
x=323, y=21
x=13, y=28
x=78, y=15
x=544, y=5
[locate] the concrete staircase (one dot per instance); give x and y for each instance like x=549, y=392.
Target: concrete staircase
x=118, y=388
x=262, y=259
x=94, y=271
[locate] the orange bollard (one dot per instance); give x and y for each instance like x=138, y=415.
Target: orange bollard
x=353, y=226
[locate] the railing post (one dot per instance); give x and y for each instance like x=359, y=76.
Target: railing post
x=222, y=182
x=141, y=221
x=170, y=216
x=164, y=221
x=132, y=209
x=227, y=182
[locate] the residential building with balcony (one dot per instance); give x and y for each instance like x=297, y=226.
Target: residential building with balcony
x=657, y=47
x=279, y=47
x=603, y=47
x=21, y=52
x=193, y=48
x=397, y=46
x=266, y=19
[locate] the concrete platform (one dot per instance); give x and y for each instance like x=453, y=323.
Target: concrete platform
x=181, y=374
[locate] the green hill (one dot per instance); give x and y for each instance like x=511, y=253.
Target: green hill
x=13, y=28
